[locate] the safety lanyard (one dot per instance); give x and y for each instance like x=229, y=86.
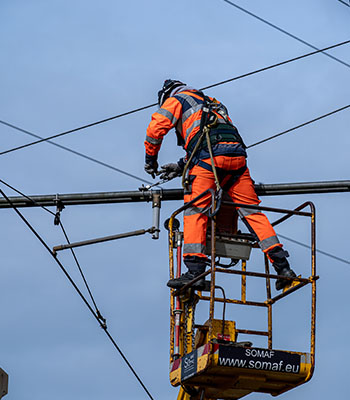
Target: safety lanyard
x=204, y=131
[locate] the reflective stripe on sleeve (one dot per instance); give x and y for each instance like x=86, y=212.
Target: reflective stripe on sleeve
x=153, y=140
x=193, y=248
x=167, y=114
x=268, y=242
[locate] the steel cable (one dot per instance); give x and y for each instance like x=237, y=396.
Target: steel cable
x=317, y=250
x=347, y=4
x=103, y=326
x=79, y=128
x=275, y=65
x=98, y=313
x=27, y=197
x=78, y=153
x=299, y=126
x=285, y=32
x=154, y=104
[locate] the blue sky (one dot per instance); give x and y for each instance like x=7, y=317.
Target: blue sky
x=68, y=63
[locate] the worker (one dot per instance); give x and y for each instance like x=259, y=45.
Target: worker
x=181, y=107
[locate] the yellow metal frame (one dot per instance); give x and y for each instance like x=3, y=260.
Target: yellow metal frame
x=208, y=362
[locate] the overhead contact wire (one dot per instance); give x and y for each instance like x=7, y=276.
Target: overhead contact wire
x=103, y=326
x=347, y=4
x=318, y=251
x=299, y=126
x=149, y=106
x=67, y=239
x=98, y=313
x=79, y=128
x=27, y=197
x=275, y=65
x=284, y=31
x=78, y=153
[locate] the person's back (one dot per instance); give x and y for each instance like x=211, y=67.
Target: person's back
x=189, y=111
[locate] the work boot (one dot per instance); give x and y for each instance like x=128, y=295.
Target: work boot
x=281, y=265
x=196, y=266
x=178, y=283
x=281, y=283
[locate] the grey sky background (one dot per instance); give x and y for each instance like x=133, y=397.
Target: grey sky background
x=68, y=63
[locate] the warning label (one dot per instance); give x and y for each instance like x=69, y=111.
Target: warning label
x=189, y=365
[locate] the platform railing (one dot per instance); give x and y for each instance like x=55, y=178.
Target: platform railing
x=268, y=303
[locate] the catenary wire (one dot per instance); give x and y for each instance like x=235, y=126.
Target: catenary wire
x=293, y=128
x=299, y=126
x=284, y=31
x=80, y=128
x=275, y=65
x=318, y=251
x=67, y=239
x=347, y=4
x=103, y=326
x=154, y=104
x=98, y=313
x=27, y=197
x=78, y=153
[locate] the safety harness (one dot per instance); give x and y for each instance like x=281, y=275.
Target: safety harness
x=211, y=130
x=218, y=133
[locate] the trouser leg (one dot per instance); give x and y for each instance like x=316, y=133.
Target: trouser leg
x=243, y=192
x=195, y=222
x=195, y=229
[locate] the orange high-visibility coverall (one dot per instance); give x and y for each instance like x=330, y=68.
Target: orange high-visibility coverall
x=184, y=111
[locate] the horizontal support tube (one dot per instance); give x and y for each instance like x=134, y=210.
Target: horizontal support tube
x=272, y=209
x=100, y=240
x=248, y=332
x=262, y=275
x=233, y=301
x=169, y=194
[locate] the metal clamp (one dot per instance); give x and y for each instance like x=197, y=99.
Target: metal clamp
x=59, y=207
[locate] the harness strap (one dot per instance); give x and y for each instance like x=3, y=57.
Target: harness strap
x=220, y=133
x=200, y=136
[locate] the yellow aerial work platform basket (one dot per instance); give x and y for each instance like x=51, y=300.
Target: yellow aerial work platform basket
x=206, y=360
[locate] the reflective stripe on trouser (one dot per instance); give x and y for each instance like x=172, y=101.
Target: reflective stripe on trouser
x=242, y=191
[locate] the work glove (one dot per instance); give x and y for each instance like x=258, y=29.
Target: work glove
x=170, y=171
x=152, y=168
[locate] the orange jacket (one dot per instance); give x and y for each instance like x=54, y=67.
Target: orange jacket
x=182, y=111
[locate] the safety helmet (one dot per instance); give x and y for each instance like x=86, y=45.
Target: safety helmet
x=168, y=86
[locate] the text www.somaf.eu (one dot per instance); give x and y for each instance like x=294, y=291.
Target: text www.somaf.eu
x=261, y=365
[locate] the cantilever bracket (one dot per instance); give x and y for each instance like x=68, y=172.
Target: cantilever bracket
x=103, y=239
